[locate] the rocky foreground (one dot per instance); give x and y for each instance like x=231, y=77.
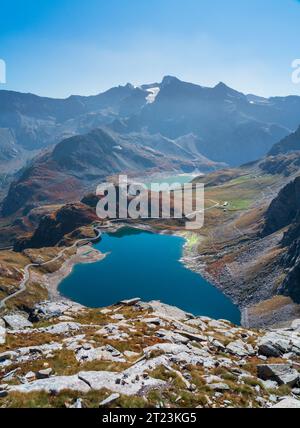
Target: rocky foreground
x=138, y=354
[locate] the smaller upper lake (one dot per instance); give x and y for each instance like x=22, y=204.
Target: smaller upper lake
x=178, y=179
x=145, y=265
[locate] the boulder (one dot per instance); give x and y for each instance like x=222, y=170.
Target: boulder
x=44, y=374
x=240, y=349
x=53, y=385
x=296, y=325
x=62, y=328
x=219, y=387
x=49, y=309
x=172, y=336
x=122, y=383
x=105, y=311
x=130, y=302
x=283, y=374
x=280, y=342
x=273, y=345
x=30, y=376
x=270, y=384
x=104, y=353
x=155, y=321
x=288, y=403
x=17, y=322
x=221, y=325
x=212, y=379
x=118, y=317
x=199, y=323
x=8, y=355
x=192, y=336
x=166, y=311
x=131, y=354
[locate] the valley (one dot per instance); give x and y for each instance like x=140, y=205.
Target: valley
x=228, y=251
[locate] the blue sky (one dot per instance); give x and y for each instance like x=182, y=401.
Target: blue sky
x=62, y=47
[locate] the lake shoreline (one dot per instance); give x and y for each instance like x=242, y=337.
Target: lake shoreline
x=88, y=254
x=187, y=252
x=52, y=280
x=194, y=261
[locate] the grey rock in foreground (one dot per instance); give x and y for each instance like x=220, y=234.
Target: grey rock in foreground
x=283, y=374
x=53, y=385
x=17, y=322
x=130, y=302
x=48, y=310
x=167, y=311
x=87, y=381
x=280, y=342
x=288, y=403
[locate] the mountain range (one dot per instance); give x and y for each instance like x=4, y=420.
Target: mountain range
x=229, y=126
x=78, y=164
x=54, y=147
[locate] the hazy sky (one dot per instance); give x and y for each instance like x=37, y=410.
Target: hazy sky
x=62, y=47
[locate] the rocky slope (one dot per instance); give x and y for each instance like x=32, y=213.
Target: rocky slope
x=288, y=144
x=249, y=266
x=284, y=208
x=286, y=164
x=55, y=226
x=284, y=212
x=138, y=354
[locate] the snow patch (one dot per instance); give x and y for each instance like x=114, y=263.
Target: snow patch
x=153, y=92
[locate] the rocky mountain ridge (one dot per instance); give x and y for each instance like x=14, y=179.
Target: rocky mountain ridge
x=290, y=143
x=78, y=164
x=172, y=108
x=284, y=212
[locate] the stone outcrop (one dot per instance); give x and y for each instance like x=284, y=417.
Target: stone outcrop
x=53, y=227
x=283, y=374
x=17, y=321
x=280, y=342
x=284, y=208
x=150, y=353
x=288, y=403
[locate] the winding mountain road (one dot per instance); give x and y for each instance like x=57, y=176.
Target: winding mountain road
x=26, y=277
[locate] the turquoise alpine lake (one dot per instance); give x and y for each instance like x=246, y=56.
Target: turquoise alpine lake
x=146, y=265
